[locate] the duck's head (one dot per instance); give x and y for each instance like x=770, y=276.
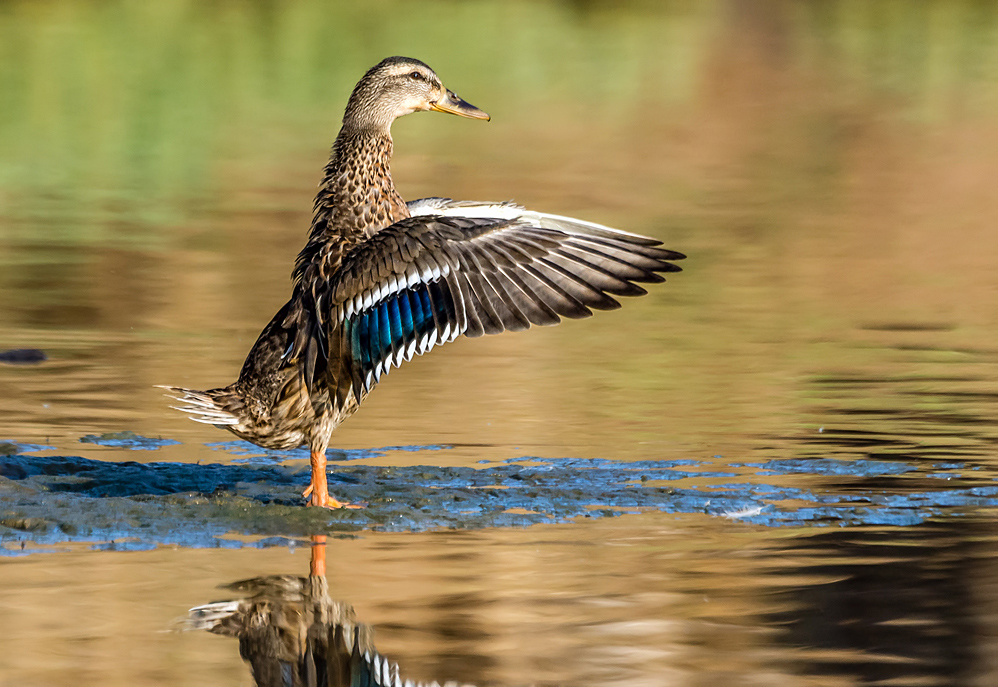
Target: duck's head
x=398, y=86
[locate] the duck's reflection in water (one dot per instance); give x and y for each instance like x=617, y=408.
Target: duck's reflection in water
x=294, y=635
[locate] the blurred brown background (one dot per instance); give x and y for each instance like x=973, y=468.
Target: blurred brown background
x=829, y=167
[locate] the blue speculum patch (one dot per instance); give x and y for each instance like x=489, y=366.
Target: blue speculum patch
x=393, y=324
x=61, y=499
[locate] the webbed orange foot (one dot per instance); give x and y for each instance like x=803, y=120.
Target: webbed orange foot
x=333, y=503
x=323, y=499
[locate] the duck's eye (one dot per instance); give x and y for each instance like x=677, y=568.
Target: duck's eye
x=417, y=76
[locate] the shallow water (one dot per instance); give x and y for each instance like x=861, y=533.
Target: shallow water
x=777, y=468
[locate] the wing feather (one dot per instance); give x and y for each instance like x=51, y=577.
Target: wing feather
x=553, y=295
x=466, y=268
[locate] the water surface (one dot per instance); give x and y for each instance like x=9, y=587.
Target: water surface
x=777, y=468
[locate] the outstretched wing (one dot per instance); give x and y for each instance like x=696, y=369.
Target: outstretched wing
x=458, y=268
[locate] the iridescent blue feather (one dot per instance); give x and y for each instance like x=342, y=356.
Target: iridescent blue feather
x=405, y=313
x=385, y=328
x=396, y=320
x=397, y=323
x=373, y=338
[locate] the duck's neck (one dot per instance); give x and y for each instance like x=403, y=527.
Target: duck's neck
x=357, y=197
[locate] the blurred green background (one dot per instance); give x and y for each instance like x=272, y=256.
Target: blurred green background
x=123, y=111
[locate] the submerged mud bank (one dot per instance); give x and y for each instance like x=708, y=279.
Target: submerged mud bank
x=55, y=499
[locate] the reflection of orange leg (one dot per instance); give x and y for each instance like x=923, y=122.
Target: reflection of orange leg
x=317, y=567
x=319, y=489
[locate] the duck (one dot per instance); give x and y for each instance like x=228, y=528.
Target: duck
x=381, y=281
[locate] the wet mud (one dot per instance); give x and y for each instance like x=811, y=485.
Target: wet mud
x=132, y=505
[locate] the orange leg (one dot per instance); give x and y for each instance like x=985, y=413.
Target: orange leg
x=317, y=567
x=319, y=489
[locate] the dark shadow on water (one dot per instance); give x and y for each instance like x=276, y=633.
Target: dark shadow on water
x=23, y=356
x=894, y=605
x=128, y=440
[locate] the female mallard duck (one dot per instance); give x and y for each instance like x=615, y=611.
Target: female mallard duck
x=381, y=280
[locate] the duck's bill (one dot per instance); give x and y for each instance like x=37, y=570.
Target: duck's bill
x=452, y=104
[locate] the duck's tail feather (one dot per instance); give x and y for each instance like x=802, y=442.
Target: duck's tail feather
x=211, y=616
x=202, y=406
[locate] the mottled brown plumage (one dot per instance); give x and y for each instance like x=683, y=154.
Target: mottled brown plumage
x=380, y=280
